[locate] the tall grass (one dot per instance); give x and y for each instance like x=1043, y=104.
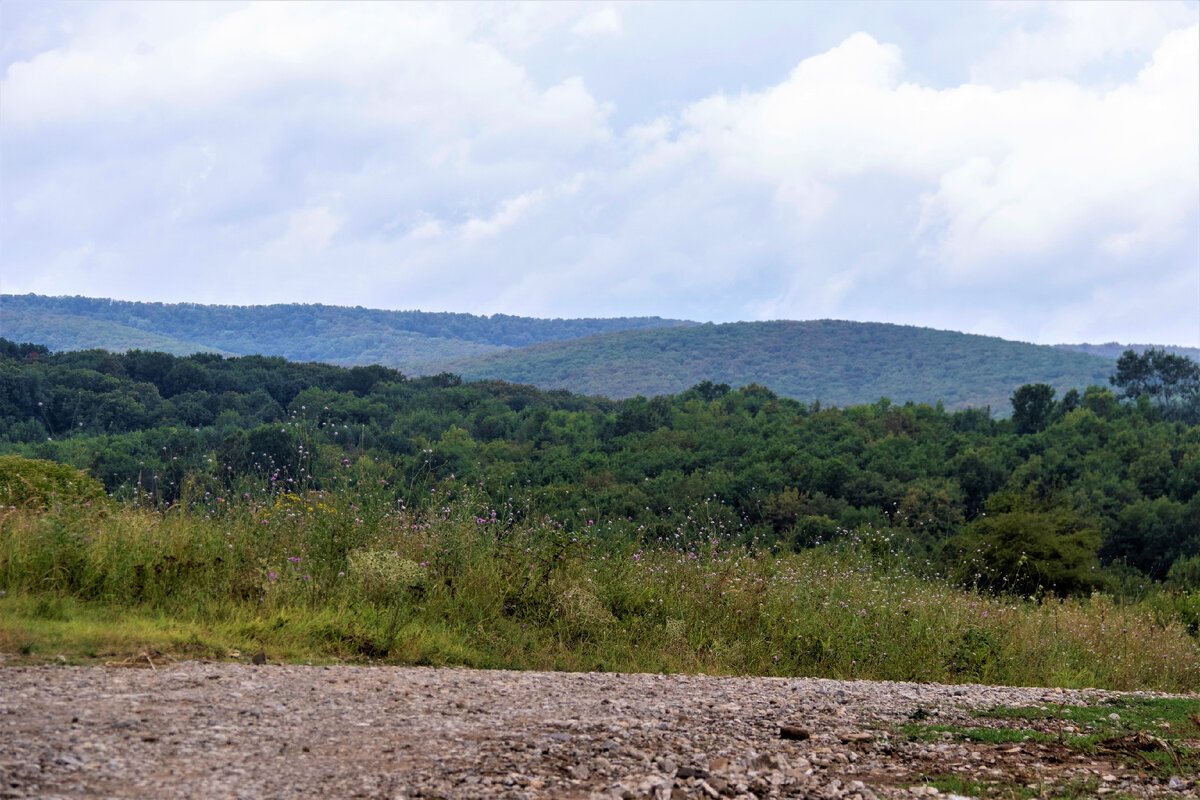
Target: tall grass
x=475, y=579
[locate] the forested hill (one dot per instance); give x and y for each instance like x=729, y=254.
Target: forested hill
x=838, y=363
x=407, y=340
x=1115, y=349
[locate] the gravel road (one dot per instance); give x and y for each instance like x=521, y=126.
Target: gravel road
x=229, y=730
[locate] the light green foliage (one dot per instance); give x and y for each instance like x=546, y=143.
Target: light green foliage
x=460, y=585
x=580, y=613
x=37, y=484
x=384, y=575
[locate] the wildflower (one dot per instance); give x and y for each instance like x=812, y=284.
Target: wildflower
x=271, y=575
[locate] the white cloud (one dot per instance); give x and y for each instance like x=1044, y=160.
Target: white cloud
x=429, y=229
x=412, y=155
x=1011, y=174
x=509, y=214
x=604, y=21
x=1077, y=35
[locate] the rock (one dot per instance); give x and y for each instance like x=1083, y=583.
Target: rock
x=1176, y=784
x=691, y=772
x=765, y=762
x=259, y=658
x=793, y=732
x=856, y=738
x=579, y=772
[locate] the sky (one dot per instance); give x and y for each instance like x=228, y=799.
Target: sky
x=1025, y=170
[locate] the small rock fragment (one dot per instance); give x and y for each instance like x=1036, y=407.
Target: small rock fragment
x=794, y=732
x=856, y=738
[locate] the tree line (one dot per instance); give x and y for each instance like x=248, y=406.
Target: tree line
x=1070, y=494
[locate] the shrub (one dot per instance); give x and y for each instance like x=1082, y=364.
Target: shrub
x=35, y=484
x=386, y=576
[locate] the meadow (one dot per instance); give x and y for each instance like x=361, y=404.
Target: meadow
x=354, y=575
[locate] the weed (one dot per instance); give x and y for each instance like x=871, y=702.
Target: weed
x=355, y=574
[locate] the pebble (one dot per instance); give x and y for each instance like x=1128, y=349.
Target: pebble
x=237, y=730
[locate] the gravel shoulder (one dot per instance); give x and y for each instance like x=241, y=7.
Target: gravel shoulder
x=222, y=730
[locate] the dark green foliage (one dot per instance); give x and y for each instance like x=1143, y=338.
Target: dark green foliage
x=1185, y=574
x=1027, y=545
x=1095, y=477
x=1032, y=405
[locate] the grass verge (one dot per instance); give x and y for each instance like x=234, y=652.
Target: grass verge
x=325, y=576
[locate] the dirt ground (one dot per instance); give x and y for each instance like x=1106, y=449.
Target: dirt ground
x=229, y=730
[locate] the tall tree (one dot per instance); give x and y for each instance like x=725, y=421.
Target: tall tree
x=1171, y=381
x=1032, y=405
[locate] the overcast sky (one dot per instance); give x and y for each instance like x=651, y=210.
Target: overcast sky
x=1024, y=170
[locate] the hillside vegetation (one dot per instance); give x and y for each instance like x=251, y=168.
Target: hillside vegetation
x=408, y=340
x=346, y=574
x=834, y=362
x=67, y=331
x=237, y=503
x=1115, y=349
x=1048, y=497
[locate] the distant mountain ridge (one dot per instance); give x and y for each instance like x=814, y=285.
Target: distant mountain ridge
x=836, y=362
x=406, y=340
x=1115, y=349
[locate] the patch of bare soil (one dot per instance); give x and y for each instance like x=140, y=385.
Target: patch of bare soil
x=220, y=730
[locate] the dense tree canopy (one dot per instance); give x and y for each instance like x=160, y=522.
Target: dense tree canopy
x=1071, y=485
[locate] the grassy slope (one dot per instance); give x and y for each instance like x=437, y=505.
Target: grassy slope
x=839, y=363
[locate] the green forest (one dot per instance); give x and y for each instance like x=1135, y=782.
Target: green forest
x=410, y=340
x=836, y=362
x=1074, y=492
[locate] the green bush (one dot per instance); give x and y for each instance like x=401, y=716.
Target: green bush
x=35, y=484
x=1184, y=573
